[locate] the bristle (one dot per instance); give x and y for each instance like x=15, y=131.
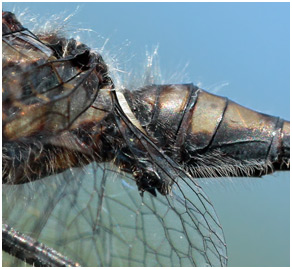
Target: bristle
x=215, y=164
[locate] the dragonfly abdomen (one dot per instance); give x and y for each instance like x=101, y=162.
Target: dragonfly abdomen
x=211, y=135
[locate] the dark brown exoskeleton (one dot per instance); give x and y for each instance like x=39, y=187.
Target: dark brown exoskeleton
x=61, y=111
x=211, y=135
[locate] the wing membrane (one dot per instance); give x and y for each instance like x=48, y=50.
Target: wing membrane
x=97, y=216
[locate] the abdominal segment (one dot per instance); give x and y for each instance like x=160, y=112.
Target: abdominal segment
x=211, y=135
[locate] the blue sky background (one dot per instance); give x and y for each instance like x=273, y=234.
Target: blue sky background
x=238, y=50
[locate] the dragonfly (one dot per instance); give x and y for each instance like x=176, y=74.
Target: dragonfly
x=106, y=176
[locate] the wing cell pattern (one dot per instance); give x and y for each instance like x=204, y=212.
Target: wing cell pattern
x=97, y=216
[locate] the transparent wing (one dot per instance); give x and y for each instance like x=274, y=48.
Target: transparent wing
x=96, y=216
